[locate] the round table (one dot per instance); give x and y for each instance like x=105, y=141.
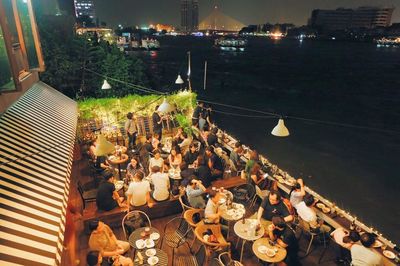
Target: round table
x=136, y=236
x=118, y=160
x=241, y=230
x=229, y=217
x=162, y=258
x=122, y=149
x=279, y=256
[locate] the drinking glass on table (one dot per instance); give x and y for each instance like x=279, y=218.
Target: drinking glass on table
x=384, y=246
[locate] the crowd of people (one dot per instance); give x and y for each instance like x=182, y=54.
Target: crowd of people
x=195, y=159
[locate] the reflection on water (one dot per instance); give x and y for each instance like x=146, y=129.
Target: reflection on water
x=353, y=83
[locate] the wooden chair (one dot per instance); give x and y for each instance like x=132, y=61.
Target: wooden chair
x=198, y=259
x=177, y=236
x=202, y=229
x=130, y=215
x=189, y=217
x=86, y=195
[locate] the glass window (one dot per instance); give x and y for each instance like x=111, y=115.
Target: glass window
x=29, y=40
x=12, y=27
x=6, y=80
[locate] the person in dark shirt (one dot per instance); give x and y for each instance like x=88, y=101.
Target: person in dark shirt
x=214, y=163
x=107, y=198
x=202, y=172
x=157, y=123
x=185, y=171
x=212, y=138
x=196, y=114
x=191, y=155
x=285, y=238
x=273, y=205
x=94, y=258
x=144, y=153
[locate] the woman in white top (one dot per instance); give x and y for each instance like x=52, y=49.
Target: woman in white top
x=156, y=161
x=139, y=191
x=175, y=158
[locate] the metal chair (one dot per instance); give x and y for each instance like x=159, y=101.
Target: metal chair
x=130, y=215
x=225, y=259
x=198, y=259
x=305, y=227
x=260, y=194
x=86, y=195
x=244, y=194
x=177, y=237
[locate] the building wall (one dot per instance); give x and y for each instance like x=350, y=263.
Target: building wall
x=84, y=8
x=189, y=15
x=362, y=17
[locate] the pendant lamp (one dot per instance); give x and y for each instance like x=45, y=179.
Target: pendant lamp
x=103, y=147
x=179, y=80
x=280, y=130
x=165, y=107
x=106, y=85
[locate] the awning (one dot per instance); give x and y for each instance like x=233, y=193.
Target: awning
x=37, y=135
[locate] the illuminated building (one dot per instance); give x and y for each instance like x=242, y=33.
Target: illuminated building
x=189, y=15
x=343, y=18
x=84, y=8
x=167, y=28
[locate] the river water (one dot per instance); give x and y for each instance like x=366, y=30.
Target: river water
x=349, y=83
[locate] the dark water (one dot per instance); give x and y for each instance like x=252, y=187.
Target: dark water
x=352, y=83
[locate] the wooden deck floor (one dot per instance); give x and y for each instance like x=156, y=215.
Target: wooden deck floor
x=80, y=172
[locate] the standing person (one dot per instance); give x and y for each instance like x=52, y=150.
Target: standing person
x=131, y=130
x=144, y=152
x=157, y=123
x=197, y=113
x=107, y=197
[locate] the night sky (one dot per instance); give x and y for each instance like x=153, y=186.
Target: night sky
x=144, y=12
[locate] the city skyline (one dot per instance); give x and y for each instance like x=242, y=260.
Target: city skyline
x=128, y=12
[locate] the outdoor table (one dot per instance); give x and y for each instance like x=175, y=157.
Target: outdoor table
x=241, y=230
x=233, y=214
x=279, y=256
x=122, y=149
x=136, y=235
x=162, y=258
x=118, y=160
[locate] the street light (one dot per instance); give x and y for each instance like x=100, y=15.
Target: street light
x=280, y=130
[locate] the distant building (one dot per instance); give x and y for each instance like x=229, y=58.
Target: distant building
x=344, y=18
x=189, y=15
x=218, y=21
x=84, y=8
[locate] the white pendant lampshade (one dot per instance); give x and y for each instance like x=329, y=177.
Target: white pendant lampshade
x=179, y=80
x=106, y=85
x=165, y=107
x=103, y=147
x=280, y=130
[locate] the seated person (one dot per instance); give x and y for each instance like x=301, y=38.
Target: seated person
x=363, y=255
x=156, y=161
x=92, y=150
x=134, y=166
x=107, y=197
x=185, y=171
x=191, y=155
x=307, y=213
x=344, y=238
x=194, y=193
x=250, y=163
x=103, y=240
x=297, y=193
x=214, y=163
x=202, y=172
x=161, y=184
x=281, y=233
x=271, y=206
x=178, y=138
x=139, y=191
x=94, y=258
x=256, y=175
x=101, y=163
x=212, y=138
x=235, y=155
x=175, y=158
x=212, y=214
x=144, y=152
x=155, y=141
x=184, y=145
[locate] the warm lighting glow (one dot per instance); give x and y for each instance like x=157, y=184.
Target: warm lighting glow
x=103, y=146
x=165, y=107
x=280, y=130
x=179, y=80
x=106, y=85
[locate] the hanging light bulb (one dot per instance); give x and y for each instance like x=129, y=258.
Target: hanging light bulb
x=179, y=80
x=280, y=130
x=103, y=147
x=106, y=85
x=165, y=107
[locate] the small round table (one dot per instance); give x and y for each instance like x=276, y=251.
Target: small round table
x=232, y=215
x=241, y=230
x=136, y=235
x=279, y=256
x=118, y=160
x=162, y=258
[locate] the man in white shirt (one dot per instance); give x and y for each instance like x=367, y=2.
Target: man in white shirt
x=298, y=192
x=139, y=191
x=363, y=255
x=307, y=214
x=161, y=184
x=131, y=130
x=212, y=213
